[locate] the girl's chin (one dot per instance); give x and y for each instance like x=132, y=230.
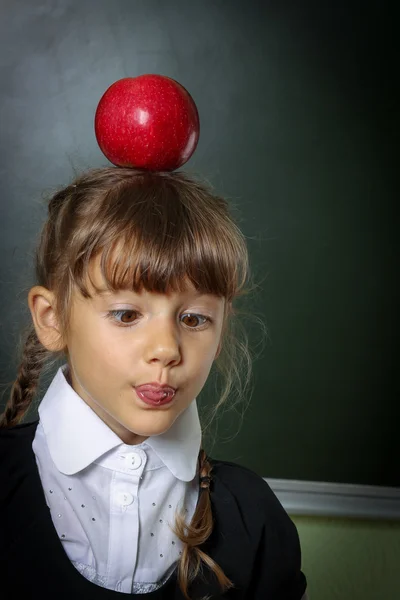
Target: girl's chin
x=139, y=432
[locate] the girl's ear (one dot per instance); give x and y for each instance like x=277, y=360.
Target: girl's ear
x=218, y=350
x=41, y=303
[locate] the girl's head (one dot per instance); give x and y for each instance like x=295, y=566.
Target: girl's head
x=136, y=275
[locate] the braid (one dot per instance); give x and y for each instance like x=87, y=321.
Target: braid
x=196, y=533
x=25, y=385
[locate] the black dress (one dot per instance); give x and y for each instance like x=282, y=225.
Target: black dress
x=254, y=541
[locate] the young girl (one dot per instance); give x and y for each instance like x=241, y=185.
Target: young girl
x=110, y=491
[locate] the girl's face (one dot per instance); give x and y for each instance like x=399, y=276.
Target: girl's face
x=121, y=340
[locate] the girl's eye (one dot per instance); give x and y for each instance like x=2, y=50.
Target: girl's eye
x=195, y=317
x=128, y=317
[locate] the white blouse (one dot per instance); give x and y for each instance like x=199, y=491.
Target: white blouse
x=112, y=503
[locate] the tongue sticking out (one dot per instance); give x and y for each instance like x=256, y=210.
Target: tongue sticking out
x=156, y=396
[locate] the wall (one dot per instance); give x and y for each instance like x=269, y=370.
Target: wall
x=349, y=559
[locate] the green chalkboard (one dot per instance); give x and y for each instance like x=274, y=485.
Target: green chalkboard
x=298, y=121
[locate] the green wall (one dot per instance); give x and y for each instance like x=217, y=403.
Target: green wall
x=350, y=559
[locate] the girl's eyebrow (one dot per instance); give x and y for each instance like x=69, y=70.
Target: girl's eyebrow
x=191, y=295
x=104, y=292
x=107, y=292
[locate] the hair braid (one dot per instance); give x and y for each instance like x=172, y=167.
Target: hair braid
x=196, y=533
x=33, y=357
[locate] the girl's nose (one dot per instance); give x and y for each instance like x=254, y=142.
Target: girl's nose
x=163, y=345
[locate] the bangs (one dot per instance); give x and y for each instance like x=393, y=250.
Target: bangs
x=156, y=238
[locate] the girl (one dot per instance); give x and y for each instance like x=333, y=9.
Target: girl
x=109, y=492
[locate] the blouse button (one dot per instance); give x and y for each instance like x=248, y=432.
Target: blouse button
x=125, y=498
x=133, y=459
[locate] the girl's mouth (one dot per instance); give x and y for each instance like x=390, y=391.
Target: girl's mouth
x=153, y=396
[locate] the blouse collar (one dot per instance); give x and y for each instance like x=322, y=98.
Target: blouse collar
x=76, y=436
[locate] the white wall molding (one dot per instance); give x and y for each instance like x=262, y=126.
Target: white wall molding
x=317, y=498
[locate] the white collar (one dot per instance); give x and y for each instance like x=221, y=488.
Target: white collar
x=76, y=436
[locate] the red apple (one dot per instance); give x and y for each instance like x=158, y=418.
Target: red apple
x=149, y=122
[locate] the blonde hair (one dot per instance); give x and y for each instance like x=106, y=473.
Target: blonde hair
x=170, y=227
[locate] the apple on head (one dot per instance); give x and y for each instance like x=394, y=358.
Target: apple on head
x=148, y=122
